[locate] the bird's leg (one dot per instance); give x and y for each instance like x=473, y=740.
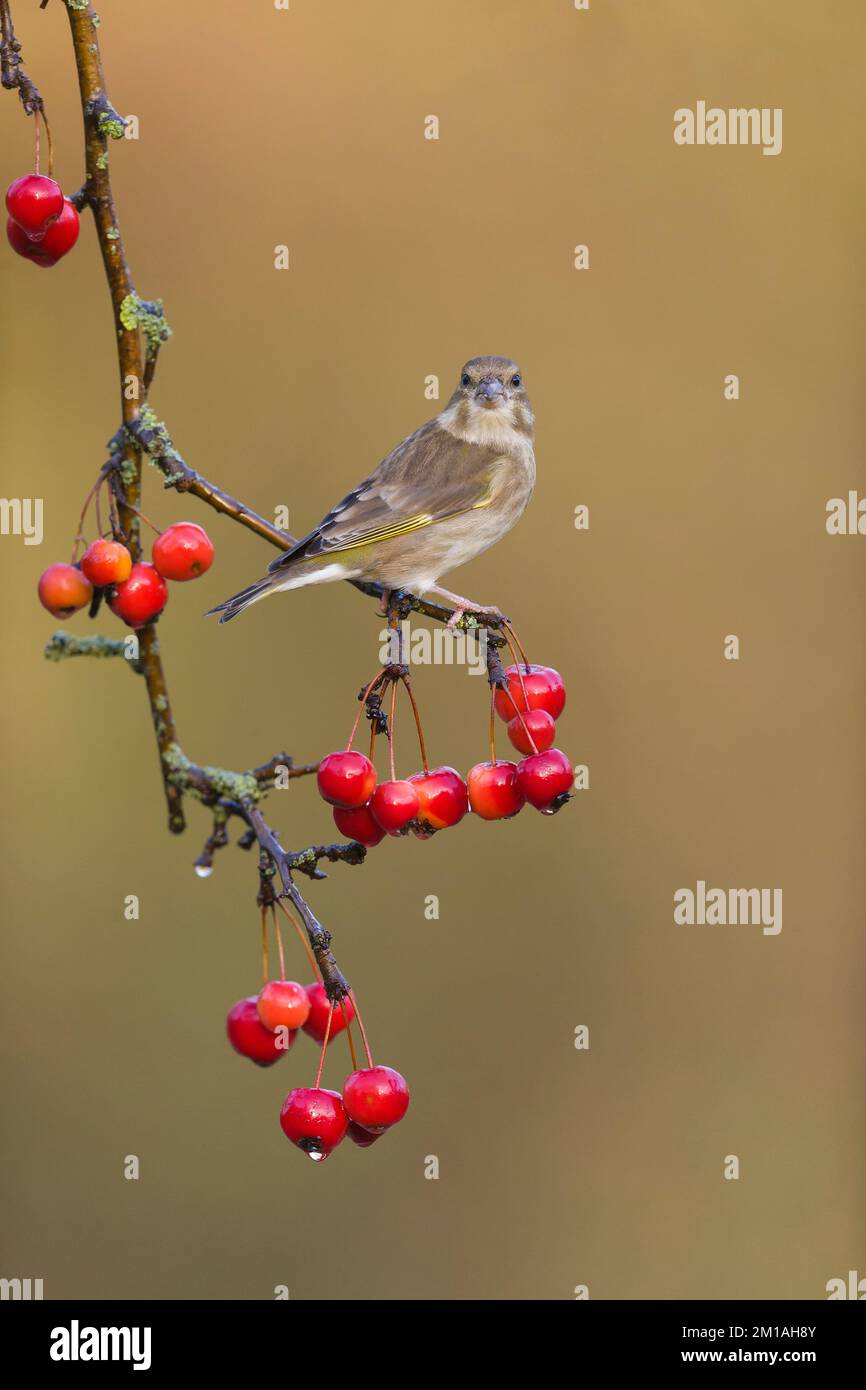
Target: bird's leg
x=465, y=605
x=385, y=603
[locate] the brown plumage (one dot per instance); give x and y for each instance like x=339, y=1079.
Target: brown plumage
x=440, y=498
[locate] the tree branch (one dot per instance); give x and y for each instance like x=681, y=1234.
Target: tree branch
x=141, y=329
x=336, y=985
x=66, y=644
x=12, y=74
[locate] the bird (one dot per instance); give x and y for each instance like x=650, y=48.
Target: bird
x=449, y=491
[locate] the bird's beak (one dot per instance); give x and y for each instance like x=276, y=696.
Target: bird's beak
x=489, y=392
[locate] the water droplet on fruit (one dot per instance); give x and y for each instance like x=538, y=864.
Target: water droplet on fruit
x=316, y=1155
x=204, y=870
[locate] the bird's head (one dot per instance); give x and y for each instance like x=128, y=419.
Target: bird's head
x=489, y=392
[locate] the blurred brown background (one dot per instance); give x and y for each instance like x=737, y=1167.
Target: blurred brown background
x=558, y=1167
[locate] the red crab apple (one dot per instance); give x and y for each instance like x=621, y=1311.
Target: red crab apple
x=442, y=796
x=317, y=1019
x=33, y=202
x=283, y=1004
x=539, y=724
x=346, y=779
x=542, y=777
x=62, y=235
x=141, y=598
x=249, y=1036
x=63, y=589
x=23, y=246
x=545, y=689
x=493, y=790
x=60, y=238
x=314, y=1119
x=359, y=825
x=376, y=1097
x=183, y=551
x=106, y=562
x=361, y=1136
x=393, y=805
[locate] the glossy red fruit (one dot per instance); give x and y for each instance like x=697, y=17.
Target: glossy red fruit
x=542, y=777
x=61, y=235
x=346, y=779
x=249, y=1036
x=393, y=805
x=63, y=589
x=540, y=724
x=358, y=824
x=545, y=689
x=141, y=598
x=33, y=203
x=106, y=562
x=315, y=1120
x=317, y=1019
x=493, y=790
x=376, y=1097
x=23, y=246
x=442, y=796
x=361, y=1136
x=182, y=552
x=283, y=1004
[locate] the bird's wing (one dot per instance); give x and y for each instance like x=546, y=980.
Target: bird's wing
x=429, y=478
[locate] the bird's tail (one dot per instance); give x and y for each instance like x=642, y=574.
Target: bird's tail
x=239, y=602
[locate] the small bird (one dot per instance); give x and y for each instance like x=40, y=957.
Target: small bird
x=444, y=495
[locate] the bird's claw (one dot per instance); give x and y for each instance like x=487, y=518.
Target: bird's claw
x=493, y=616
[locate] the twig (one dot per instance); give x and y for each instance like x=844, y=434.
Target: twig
x=336, y=985
x=141, y=329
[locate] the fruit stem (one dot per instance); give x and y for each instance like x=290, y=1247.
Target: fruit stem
x=526, y=699
x=302, y=937
x=349, y=1036
x=361, y=705
x=509, y=628
x=361, y=1026
x=411, y=694
x=526, y=729
x=279, y=936
x=146, y=519
x=80, y=539
x=391, y=729
x=39, y=111
x=113, y=514
x=50, y=143
x=264, y=946
x=493, y=725
x=98, y=505
x=324, y=1046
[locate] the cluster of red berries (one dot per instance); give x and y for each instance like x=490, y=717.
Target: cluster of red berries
x=373, y=1099
x=137, y=593
x=42, y=225
x=530, y=703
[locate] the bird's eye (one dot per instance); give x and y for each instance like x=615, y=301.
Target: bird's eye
x=466, y=379
x=515, y=381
